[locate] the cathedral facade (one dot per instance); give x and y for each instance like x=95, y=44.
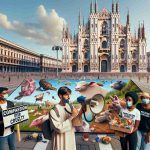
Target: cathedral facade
x=103, y=44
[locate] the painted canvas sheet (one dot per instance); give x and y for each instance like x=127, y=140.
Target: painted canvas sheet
x=41, y=96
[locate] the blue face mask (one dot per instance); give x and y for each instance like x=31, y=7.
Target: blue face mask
x=145, y=101
x=5, y=96
x=129, y=104
x=66, y=101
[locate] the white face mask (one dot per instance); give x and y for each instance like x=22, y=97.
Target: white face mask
x=145, y=101
x=129, y=103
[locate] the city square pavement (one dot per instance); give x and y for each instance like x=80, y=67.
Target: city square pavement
x=81, y=145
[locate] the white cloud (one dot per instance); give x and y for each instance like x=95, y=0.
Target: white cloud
x=48, y=30
x=5, y=23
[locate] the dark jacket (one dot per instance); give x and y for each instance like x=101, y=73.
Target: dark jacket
x=9, y=105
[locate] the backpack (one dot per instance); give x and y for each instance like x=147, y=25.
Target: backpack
x=47, y=128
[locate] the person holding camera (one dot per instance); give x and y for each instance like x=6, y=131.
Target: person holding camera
x=61, y=117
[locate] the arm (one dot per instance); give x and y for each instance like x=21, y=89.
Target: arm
x=60, y=127
x=137, y=122
x=82, y=110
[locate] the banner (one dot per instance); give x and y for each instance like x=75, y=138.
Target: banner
x=41, y=96
x=15, y=115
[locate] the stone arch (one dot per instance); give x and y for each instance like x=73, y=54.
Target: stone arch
x=86, y=43
x=74, y=55
x=104, y=44
x=122, y=55
x=104, y=66
x=122, y=43
x=134, y=68
x=86, y=68
x=122, y=68
x=86, y=55
x=74, y=68
x=134, y=55
x=104, y=27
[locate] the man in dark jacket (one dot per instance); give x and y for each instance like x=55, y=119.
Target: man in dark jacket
x=7, y=135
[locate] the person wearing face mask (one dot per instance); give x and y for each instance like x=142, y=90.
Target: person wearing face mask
x=132, y=113
x=144, y=127
x=6, y=135
x=63, y=136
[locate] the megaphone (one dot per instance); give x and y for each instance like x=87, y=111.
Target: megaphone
x=96, y=104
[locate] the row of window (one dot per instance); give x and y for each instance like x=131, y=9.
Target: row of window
x=104, y=43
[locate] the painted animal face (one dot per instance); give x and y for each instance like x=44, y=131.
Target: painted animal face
x=82, y=86
x=118, y=85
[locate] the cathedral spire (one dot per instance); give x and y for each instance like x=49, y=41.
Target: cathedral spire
x=63, y=32
x=83, y=21
x=139, y=31
x=113, y=6
x=117, y=7
x=74, y=37
x=128, y=18
x=96, y=6
x=68, y=33
x=80, y=17
x=135, y=34
x=143, y=31
x=91, y=7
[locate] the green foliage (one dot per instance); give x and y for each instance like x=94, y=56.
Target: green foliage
x=130, y=86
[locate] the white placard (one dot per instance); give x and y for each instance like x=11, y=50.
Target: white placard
x=15, y=115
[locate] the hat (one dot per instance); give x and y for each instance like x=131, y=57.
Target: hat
x=133, y=95
x=144, y=94
x=3, y=89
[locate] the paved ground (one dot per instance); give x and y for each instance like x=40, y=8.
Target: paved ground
x=81, y=145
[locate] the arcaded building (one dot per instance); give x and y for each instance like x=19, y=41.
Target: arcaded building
x=103, y=44
x=15, y=58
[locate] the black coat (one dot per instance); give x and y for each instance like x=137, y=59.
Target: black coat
x=9, y=105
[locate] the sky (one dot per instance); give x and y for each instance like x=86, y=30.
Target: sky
x=37, y=24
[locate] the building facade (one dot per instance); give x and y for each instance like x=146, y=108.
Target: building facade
x=103, y=44
x=14, y=58
x=148, y=61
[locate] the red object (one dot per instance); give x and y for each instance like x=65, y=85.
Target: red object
x=85, y=135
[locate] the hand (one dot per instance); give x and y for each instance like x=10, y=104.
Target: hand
x=147, y=138
x=75, y=112
x=83, y=108
x=115, y=103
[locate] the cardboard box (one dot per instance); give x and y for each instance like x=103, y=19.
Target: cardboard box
x=121, y=129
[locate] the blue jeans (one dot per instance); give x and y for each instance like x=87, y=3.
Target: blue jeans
x=141, y=145
x=11, y=141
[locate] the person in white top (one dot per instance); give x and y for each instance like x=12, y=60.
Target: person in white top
x=64, y=136
x=6, y=135
x=131, y=113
